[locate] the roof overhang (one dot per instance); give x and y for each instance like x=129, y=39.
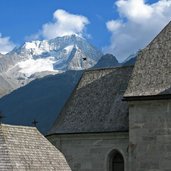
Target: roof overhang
x=81, y=133
x=145, y=98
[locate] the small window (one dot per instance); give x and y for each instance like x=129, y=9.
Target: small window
x=116, y=161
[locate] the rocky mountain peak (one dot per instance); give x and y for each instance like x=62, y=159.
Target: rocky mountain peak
x=47, y=57
x=107, y=60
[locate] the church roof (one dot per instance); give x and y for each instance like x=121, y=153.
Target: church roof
x=96, y=104
x=152, y=72
x=24, y=148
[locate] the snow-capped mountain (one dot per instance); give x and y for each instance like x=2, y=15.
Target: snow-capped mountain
x=39, y=58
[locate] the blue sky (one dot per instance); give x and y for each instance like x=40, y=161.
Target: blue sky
x=20, y=18
x=120, y=27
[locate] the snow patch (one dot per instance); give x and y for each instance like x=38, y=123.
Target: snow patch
x=37, y=47
x=32, y=66
x=69, y=48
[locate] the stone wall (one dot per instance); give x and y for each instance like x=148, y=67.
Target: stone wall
x=150, y=135
x=89, y=152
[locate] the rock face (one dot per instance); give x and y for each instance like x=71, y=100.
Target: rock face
x=107, y=61
x=40, y=58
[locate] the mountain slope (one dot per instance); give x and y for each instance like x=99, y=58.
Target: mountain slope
x=130, y=60
x=42, y=100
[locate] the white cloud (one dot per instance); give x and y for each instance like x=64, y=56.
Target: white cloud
x=114, y=25
x=138, y=24
x=134, y=10
x=5, y=44
x=64, y=23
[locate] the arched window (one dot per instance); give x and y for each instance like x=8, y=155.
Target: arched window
x=116, y=161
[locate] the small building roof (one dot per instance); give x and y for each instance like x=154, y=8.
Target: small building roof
x=24, y=148
x=96, y=104
x=152, y=72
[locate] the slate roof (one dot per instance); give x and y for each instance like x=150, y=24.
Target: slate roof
x=152, y=73
x=24, y=148
x=96, y=104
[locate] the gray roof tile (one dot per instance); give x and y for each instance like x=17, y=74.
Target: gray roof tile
x=24, y=148
x=96, y=104
x=152, y=72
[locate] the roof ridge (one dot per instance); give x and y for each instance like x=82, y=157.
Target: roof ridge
x=107, y=68
x=158, y=35
x=18, y=126
x=151, y=74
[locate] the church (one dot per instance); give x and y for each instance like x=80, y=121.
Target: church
x=119, y=119
x=116, y=119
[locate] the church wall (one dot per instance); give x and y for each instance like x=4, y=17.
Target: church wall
x=150, y=135
x=89, y=152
